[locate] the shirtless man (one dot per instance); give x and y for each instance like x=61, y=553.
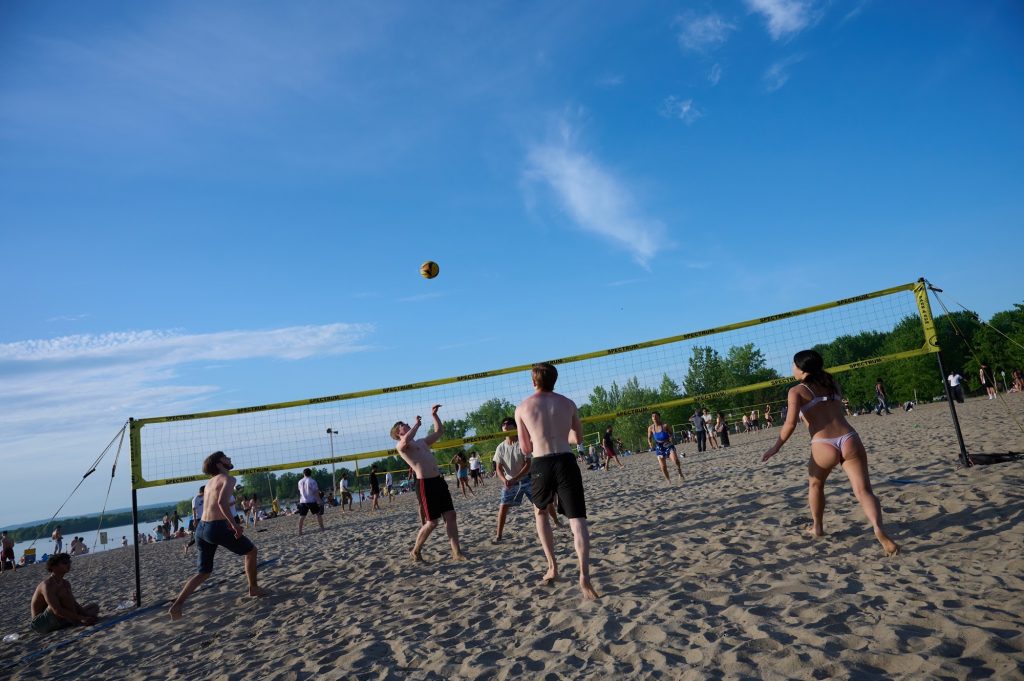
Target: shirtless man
x=53, y=605
x=659, y=438
x=6, y=552
x=218, y=527
x=548, y=423
x=433, y=490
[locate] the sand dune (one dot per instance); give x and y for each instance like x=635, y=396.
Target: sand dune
x=712, y=579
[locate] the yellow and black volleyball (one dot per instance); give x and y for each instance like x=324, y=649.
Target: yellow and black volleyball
x=429, y=269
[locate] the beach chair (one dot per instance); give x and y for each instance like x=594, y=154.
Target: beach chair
x=30, y=556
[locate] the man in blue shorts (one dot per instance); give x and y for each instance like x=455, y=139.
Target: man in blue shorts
x=660, y=439
x=218, y=527
x=514, y=472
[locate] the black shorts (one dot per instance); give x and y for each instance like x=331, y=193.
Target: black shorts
x=558, y=476
x=314, y=508
x=435, y=499
x=375, y=490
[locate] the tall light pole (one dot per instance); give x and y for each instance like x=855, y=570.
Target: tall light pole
x=334, y=483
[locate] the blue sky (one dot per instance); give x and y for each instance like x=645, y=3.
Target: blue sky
x=210, y=205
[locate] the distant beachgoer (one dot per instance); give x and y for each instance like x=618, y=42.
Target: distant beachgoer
x=955, y=381
x=746, y=423
x=462, y=474
x=58, y=540
x=6, y=552
x=254, y=508
x=389, y=486
x=709, y=428
x=77, y=546
x=722, y=428
x=834, y=442
x=374, y=489
x=197, y=514
x=175, y=520
x=434, y=495
x=768, y=420
x=699, y=430
x=309, y=500
x=474, y=469
x=755, y=423
x=548, y=423
x=53, y=605
x=275, y=507
x=218, y=528
x=514, y=473
x=124, y=541
x=882, y=397
x=346, y=493
x=608, y=442
x=166, y=525
x=659, y=439
x=987, y=380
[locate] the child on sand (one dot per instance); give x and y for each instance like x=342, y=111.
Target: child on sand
x=833, y=442
x=434, y=496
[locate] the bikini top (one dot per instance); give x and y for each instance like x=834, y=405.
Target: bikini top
x=660, y=435
x=818, y=399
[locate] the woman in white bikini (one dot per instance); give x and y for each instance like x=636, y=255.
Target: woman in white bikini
x=833, y=442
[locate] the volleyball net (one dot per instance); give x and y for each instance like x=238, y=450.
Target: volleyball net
x=726, y=367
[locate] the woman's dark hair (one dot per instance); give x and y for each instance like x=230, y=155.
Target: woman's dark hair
x=812, y=363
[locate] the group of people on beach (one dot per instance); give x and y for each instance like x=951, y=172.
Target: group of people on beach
x=535, y=462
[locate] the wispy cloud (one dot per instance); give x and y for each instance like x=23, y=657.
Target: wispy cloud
x=88, y=379
x=593, y=196
x=68, y=318
x=419, y=297
x=702, y=33
x=610, y=80
x=784, y=17
x=681, y=109
x=778, y=73
x=715, y=74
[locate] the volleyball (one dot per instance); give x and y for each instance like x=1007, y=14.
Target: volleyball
x=429, y=269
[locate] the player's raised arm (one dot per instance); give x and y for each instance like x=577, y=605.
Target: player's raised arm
x=438, y=426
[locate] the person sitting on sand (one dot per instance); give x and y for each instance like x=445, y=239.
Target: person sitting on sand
x=548, y=423
x=833, y=442
x=434, y=495
x=218, y=527
x=53, y=605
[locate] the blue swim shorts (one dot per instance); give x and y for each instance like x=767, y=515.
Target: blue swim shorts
x=514, y=493
x=213, y=533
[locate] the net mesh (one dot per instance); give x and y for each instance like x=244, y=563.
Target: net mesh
x=275, y=437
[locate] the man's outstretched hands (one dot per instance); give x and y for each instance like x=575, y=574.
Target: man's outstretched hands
x=433, y=410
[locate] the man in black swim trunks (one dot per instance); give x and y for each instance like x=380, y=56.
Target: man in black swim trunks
x=433, y=490
x=548, y=423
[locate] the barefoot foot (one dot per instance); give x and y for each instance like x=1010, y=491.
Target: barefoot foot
x=417, y=557
x=588, y=590
x=256, y=592
x=458, y=556
x=175, y=612
x=550, y=577
x=815, y=531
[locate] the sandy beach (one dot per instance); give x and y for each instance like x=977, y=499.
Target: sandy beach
x=712, y=579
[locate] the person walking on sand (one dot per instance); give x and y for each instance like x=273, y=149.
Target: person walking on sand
x=218, y=528
x=58, y=540
x=955, y=388
x=987, y=380
x=462, y=474
x=548, y=423
x=834, y=442
x=475, y=469
x=197, y=514
x=722, y=428
x=610, y=452
x=53, y=605
x=659, y=438
x=389, y=486
x=374, y=489
x=882, y=397
x=6, y=552
x=513, y=470
x=346, y=493
x=709, y=429
x=769, y=421
x=699, y=430
x=309, y=500
x=434, y=495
